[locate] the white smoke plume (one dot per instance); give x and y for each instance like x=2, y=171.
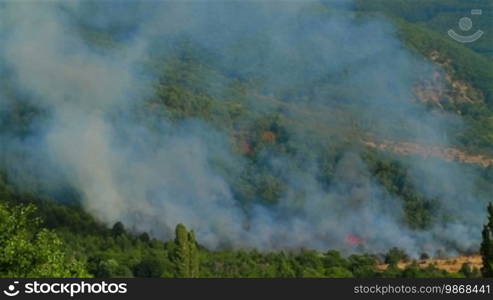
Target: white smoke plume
x=154, y=176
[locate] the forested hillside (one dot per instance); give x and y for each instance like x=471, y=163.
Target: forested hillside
x=66, y=242
x=438, y=16
x=422, y=25
x=182, y=140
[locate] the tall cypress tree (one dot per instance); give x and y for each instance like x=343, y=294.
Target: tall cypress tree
x=186, y=256
x=182, y=253
x=487, y=245
x=194, y=255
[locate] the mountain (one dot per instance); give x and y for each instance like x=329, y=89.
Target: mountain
x=265, y=129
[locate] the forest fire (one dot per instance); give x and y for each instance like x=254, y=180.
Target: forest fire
x=353, y=239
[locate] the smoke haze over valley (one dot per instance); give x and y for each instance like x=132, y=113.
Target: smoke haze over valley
x=245, y=121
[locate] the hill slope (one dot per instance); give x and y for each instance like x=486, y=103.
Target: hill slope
x=249, y=131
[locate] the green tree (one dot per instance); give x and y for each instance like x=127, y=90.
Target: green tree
x=149, y=267
x=285, y=270
x=468, y=271
x=186, y=256
x=27, y=250
x=194, y=255
x=118, y=229
x=339, y=272
x=102, y=267
x=395, y=255
x=487, y=245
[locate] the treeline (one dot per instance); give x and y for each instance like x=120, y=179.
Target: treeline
x=42, y=238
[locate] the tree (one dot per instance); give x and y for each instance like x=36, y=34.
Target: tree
x=118, y=229
x=362, y=266
x=27, y=250
x=194, y=255
x=285, y=270
x=468, y=271
x=148, y=267
x=487, y=245
x=339, y=272
x=186, y=256
x=144, y=237
x=104, y=267
x=395, y=255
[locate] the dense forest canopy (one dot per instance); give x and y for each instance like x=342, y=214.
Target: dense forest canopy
x=250, y=123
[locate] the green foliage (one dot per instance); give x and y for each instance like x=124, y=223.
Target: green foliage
x=468, y=272
x=116, y=252
x=149, y=267
x=487, y=245
x=27, y=250
x=414, y=271
x=185, y=256
x=363, y=266
x=392, y=174
x=395, y=255
x=466, y=65
x=338, y=272
x=118, y=229
x=190, y=85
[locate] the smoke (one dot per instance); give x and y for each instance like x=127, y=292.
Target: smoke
x=324, y=68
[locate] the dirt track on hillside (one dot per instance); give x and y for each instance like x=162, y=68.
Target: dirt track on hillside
x=448, y=154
